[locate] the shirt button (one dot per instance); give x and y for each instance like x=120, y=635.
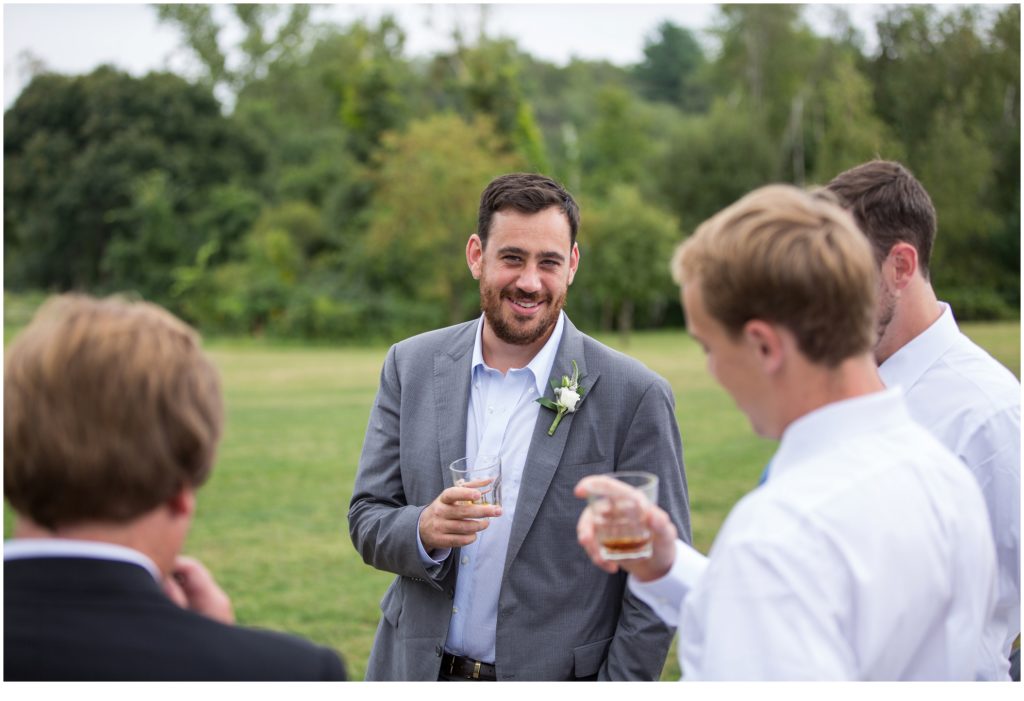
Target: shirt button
x=465, y=559
x=490, y=410
x=455, y=609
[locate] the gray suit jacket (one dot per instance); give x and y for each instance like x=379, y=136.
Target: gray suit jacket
x=559, y=617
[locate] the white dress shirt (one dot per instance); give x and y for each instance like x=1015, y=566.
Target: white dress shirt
x=866, y=556
x=971, y=403
x=501, y=417
x=25, y=548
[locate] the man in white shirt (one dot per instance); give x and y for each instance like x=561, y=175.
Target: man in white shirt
x=112, y=414
x=866, y=555
x=956, y=390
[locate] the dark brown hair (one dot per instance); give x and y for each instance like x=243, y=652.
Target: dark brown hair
x=527, y=193
x=110, y=408
x=890, y=206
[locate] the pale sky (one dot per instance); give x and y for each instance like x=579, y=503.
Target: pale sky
x=75, y=38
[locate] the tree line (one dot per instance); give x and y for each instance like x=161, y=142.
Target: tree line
x=323, y=185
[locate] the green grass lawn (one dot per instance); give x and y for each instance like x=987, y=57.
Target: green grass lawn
x=271, y=523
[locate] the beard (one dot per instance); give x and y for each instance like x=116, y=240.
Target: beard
x=513, y=328
x=886, y=312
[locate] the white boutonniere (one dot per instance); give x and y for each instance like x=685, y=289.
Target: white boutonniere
x=568, y=395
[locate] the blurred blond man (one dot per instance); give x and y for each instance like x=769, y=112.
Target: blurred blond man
x=112, y=414
x=866, y=554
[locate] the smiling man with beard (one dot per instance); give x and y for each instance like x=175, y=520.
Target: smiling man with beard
x=502, y=592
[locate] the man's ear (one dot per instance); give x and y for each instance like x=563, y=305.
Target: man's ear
x=475, y=255
x=182, y=502
x=574, y=262
x=899, y=266
x=764, y=341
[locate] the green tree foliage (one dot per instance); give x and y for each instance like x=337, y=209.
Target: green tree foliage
x=252, y=292
x=625, y=246
x=335, y=198
x=415, y=246
x=616, y=147
x=767, y=51
x=842, y=128
x=671, y=69
x=712, y=161
x=486, y=78
x=566, y=104
x=157, y=234
x=948, y=84
x=101, y=172
x=259, y=46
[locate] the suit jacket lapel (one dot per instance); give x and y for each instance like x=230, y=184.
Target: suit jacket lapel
x=546, y=451
x=451, y=394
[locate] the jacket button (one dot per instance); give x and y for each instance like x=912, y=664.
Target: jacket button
x=437, y=650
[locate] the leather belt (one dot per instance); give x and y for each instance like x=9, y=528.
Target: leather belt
x=467, y=668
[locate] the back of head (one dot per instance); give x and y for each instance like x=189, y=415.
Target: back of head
x=110, y=408
x=527, y=193
x=788, y=257
x=890, y=206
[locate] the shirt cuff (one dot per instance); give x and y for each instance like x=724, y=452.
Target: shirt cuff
x=425, y=559
x=665, y=595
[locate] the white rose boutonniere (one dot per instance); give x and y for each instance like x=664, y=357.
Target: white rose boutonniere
x=568, y=395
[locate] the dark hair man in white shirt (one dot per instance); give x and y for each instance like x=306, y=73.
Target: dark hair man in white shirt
x=112, y=414
x=866, y=555
x=955, y=389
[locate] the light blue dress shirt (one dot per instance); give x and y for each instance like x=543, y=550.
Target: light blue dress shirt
x=501, y=417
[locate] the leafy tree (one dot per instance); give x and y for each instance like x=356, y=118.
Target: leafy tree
x=956, y=169
x=158, y=233
x=616, y=147
x=201, y=32
x=948, y=85
x=712, y=161
x=252, y=292
x=81, y=197
x=842, y=129
x=766, y=53
x=486, y=78
x=625, y=246
x=566, y=104
x=673, y=61
x=428, y=184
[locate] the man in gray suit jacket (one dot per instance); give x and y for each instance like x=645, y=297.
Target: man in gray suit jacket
x=503, y=593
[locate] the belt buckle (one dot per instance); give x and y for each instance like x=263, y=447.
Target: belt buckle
x=476, y=670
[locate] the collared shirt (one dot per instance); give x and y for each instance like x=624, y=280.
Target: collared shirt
x=971, y=403
x=866, y=556
x=501, y=416
x=25, y=548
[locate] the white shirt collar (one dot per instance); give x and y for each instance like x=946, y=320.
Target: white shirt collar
x=906, y=366
x=25, y=548
x=820, y=429
x=541, y=363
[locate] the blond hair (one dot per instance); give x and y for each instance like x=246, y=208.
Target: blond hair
x=786, y=256
x=110, y=408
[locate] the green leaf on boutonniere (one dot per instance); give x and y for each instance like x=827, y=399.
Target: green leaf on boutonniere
x=568, y=394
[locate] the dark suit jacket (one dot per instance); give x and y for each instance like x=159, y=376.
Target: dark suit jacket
x=559, y=616
x=71, y=619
